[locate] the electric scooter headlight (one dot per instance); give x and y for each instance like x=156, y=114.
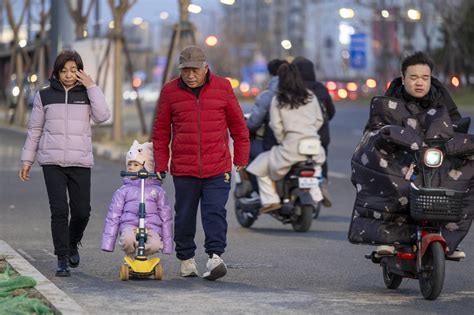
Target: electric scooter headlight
x=433, y=157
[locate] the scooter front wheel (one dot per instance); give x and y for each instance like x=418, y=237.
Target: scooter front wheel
x=432, y=274
x=158, y=272
x=392, y=281
x=124, y=272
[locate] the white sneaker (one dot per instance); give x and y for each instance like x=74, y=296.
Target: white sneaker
x=457, y=254
x=216, y=268
x=385, y=250
x=189, y=268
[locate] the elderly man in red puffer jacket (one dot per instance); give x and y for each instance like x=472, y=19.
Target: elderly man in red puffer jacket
x=195, y=112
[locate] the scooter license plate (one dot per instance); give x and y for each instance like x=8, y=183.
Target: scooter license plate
x=307, y=182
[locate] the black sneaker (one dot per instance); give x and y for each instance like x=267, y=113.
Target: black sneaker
x=63, y=268
x=74, y=258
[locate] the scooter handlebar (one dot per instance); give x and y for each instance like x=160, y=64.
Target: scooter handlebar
x=142, y=174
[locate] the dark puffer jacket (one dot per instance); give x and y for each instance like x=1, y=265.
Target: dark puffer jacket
x=306, y=68
x=395, y=131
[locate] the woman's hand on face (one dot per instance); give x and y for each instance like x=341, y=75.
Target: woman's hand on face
x=84, y=79
x=25, y=172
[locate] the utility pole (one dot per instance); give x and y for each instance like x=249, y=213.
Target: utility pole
x=62, y=31
x=118, y=12
x=97, y=19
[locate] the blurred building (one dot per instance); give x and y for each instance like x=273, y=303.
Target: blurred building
x=257, y=28
x=347, y=40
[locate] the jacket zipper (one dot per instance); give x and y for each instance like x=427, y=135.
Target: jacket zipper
x=199, y=137
x=65, y=128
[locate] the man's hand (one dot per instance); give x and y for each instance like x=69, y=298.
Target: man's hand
x=161, y=175
x=239, y=167
x=25, y=172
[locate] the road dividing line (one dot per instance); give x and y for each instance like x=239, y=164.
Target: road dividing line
x=26, y=255
x=337, y=175
x=49, y=253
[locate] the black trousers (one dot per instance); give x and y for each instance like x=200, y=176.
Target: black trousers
x=61, y=182
x=212, y=193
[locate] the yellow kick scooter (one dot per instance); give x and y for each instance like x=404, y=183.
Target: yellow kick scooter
x=141, y=266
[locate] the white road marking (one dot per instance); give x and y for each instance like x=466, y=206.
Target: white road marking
x=337, y=175
x=26, y=255
x=48, y=252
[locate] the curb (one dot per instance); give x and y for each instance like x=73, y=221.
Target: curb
x=62, y=302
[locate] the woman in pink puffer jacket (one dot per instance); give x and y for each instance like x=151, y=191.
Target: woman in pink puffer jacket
x=122, y=218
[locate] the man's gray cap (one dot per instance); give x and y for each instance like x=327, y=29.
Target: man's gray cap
x=191, y=57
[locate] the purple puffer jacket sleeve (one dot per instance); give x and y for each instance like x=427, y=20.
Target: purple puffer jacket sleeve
x=164, y=211
x=112, y=221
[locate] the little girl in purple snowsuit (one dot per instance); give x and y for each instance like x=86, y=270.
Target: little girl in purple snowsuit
x=122, y=218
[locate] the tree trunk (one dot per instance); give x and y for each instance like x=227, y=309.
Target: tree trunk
x=20, y=105
x=118, y=78
x=18, y=59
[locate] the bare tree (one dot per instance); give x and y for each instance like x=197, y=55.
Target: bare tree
x=119, y=9
x=39, y=57
x=17, y=59
x=451, y=13
x=183, y=35
x=75, y=10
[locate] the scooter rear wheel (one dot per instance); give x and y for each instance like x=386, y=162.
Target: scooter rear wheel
x=392, y=281
x=124, y=272
x=432, y=275
x=302, y=223
x=158, y=272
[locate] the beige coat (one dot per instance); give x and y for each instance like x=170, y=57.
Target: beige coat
x=289, y=127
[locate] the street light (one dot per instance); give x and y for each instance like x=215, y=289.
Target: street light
x=211, y=41
x=164, y=15
x=385, y=14
x=228, y=2
x=194, y=8
x=137, y=20
x=286, y=44
x=346, y=13
x=414, y=15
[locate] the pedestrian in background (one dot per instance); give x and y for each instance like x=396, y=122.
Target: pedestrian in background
x=59, y=137
x=306, y=68
x=195, y=112
x=122, y=219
